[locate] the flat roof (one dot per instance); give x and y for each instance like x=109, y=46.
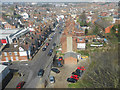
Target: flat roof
x=2, y=67
x=7, y=32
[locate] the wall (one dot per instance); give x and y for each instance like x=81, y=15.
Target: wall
x=23, y=57
x=64, y=44
x=70, y=60
x=69, y=44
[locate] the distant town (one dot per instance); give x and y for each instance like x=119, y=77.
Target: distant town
x=59, y=45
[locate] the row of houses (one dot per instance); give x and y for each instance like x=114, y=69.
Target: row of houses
x=23, y=44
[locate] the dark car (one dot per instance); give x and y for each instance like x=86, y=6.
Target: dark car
x=54, y=44
x=77, y=73
x=41, y=72
x=20, y=85
x=72, y=80
x=55, y=70
x=43, y=49
x=7, y=63
x=60, y=65
x=50, y=52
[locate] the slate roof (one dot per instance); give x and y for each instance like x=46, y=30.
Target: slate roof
x=102, y=23
x=11, y=48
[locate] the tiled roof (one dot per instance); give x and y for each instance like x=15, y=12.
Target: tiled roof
x=102, y=23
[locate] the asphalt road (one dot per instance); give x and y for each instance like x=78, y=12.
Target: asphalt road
x=40, y=60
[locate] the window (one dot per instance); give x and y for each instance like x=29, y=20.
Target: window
x=15, y=53
x=10, y=53
x=16, y=58
x=11, y=58
x=6, y=58
x=5, y=53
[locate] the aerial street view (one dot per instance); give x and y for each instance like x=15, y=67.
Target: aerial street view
x=59, y=44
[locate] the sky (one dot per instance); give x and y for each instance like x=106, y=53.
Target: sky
x=59, y=0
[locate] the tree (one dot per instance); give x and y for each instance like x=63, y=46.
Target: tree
x=86, y=31
x=95, y=31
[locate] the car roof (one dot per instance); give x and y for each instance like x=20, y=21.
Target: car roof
x=55, y=68
x=21, y=82
x=51, y=76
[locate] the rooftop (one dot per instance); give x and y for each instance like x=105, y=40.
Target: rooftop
x=7, y=32
x=70, y=54
x=2, y=67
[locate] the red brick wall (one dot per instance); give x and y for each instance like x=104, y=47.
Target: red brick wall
x=70, y=60
x=64, y=44
x=14, y=57
x=74, y=44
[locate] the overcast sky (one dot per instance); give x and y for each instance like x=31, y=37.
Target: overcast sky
x=59, y=0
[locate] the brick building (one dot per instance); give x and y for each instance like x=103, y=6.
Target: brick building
x=70, y=58
x=70, y=36
x=105, y=26
x=15, y=52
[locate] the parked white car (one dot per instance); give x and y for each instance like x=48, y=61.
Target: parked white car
x=52, y=79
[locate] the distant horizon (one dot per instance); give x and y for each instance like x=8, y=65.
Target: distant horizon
x=55, y=1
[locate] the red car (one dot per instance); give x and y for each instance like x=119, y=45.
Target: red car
x=47, y=44
x=60, y=58
x=20, y=85
x=75, y=77
x=81, y=68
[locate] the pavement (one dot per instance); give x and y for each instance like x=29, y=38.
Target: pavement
x=65, y=72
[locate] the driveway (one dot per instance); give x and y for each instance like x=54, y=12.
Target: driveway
x=65, y=72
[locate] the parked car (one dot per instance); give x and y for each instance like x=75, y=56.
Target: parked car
x=52, y=79
x=7, y=63
x=75, y=77
x=77, y=72
x=47, y=44
x=50, y=52
x=43, y=49
x=20, y=85
x=41, y=72
x=60, y=58
x=55, y=70
x=54, y=44
x=81, y=68
x=60, y=65
x=50, y=39
x=72, y=80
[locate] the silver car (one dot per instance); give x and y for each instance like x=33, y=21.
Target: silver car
x=52, y=79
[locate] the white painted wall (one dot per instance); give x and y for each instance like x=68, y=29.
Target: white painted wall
x=81, y=45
